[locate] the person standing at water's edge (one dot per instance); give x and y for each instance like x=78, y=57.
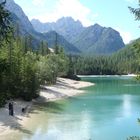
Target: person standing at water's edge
x=11, y=109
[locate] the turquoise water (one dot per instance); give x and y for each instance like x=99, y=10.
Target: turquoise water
x=107, y=111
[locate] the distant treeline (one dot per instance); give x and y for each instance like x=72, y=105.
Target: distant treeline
x=123, y=62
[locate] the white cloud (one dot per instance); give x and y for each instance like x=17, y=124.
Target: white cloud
x=127, y=36
x=64, y=8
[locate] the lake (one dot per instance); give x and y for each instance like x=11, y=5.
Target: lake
x=107, y=111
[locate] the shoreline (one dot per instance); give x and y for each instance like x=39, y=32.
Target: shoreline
x=64, y=88
x=128, y=75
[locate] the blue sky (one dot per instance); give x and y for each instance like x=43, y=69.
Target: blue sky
x=108, y=13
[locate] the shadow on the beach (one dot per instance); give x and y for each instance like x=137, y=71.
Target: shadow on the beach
x=13, y=124
x=54, y=92
x=12, y=121
x=39, y=105
x=50, y=107
x=64, y=85
x=61, y=84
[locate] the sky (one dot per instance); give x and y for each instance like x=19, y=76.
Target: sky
x=107, y=13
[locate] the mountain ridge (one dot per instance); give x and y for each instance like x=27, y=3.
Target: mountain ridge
x=106, y=41
x=93, y=39
x=63, y=26
x=72, y=34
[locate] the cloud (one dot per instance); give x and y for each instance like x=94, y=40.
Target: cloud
x=127, y=36
x=64, y=8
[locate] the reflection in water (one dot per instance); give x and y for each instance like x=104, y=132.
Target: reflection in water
x=127, y=112
x=74, y=127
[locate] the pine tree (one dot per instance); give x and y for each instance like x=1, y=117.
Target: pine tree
x=5, y=24
x=56, y=47
x=136, y=11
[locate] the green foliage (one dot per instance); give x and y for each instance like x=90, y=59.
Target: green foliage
x=5, y=24
x=123, y=62
x=95, y=65
x=29, y=81
x=71, y=66
x=43, y=48
x=22, y=72
x=136, y=45
x=136, y=11
x=51, y=66
x=22, y=68
x=18, y=68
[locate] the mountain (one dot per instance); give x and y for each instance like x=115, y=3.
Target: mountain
x=65, y=26
x=17, y=10
x=72, y=35
x=61, y=41
x=99, y=40
x=22, y=23
x=94, y=39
